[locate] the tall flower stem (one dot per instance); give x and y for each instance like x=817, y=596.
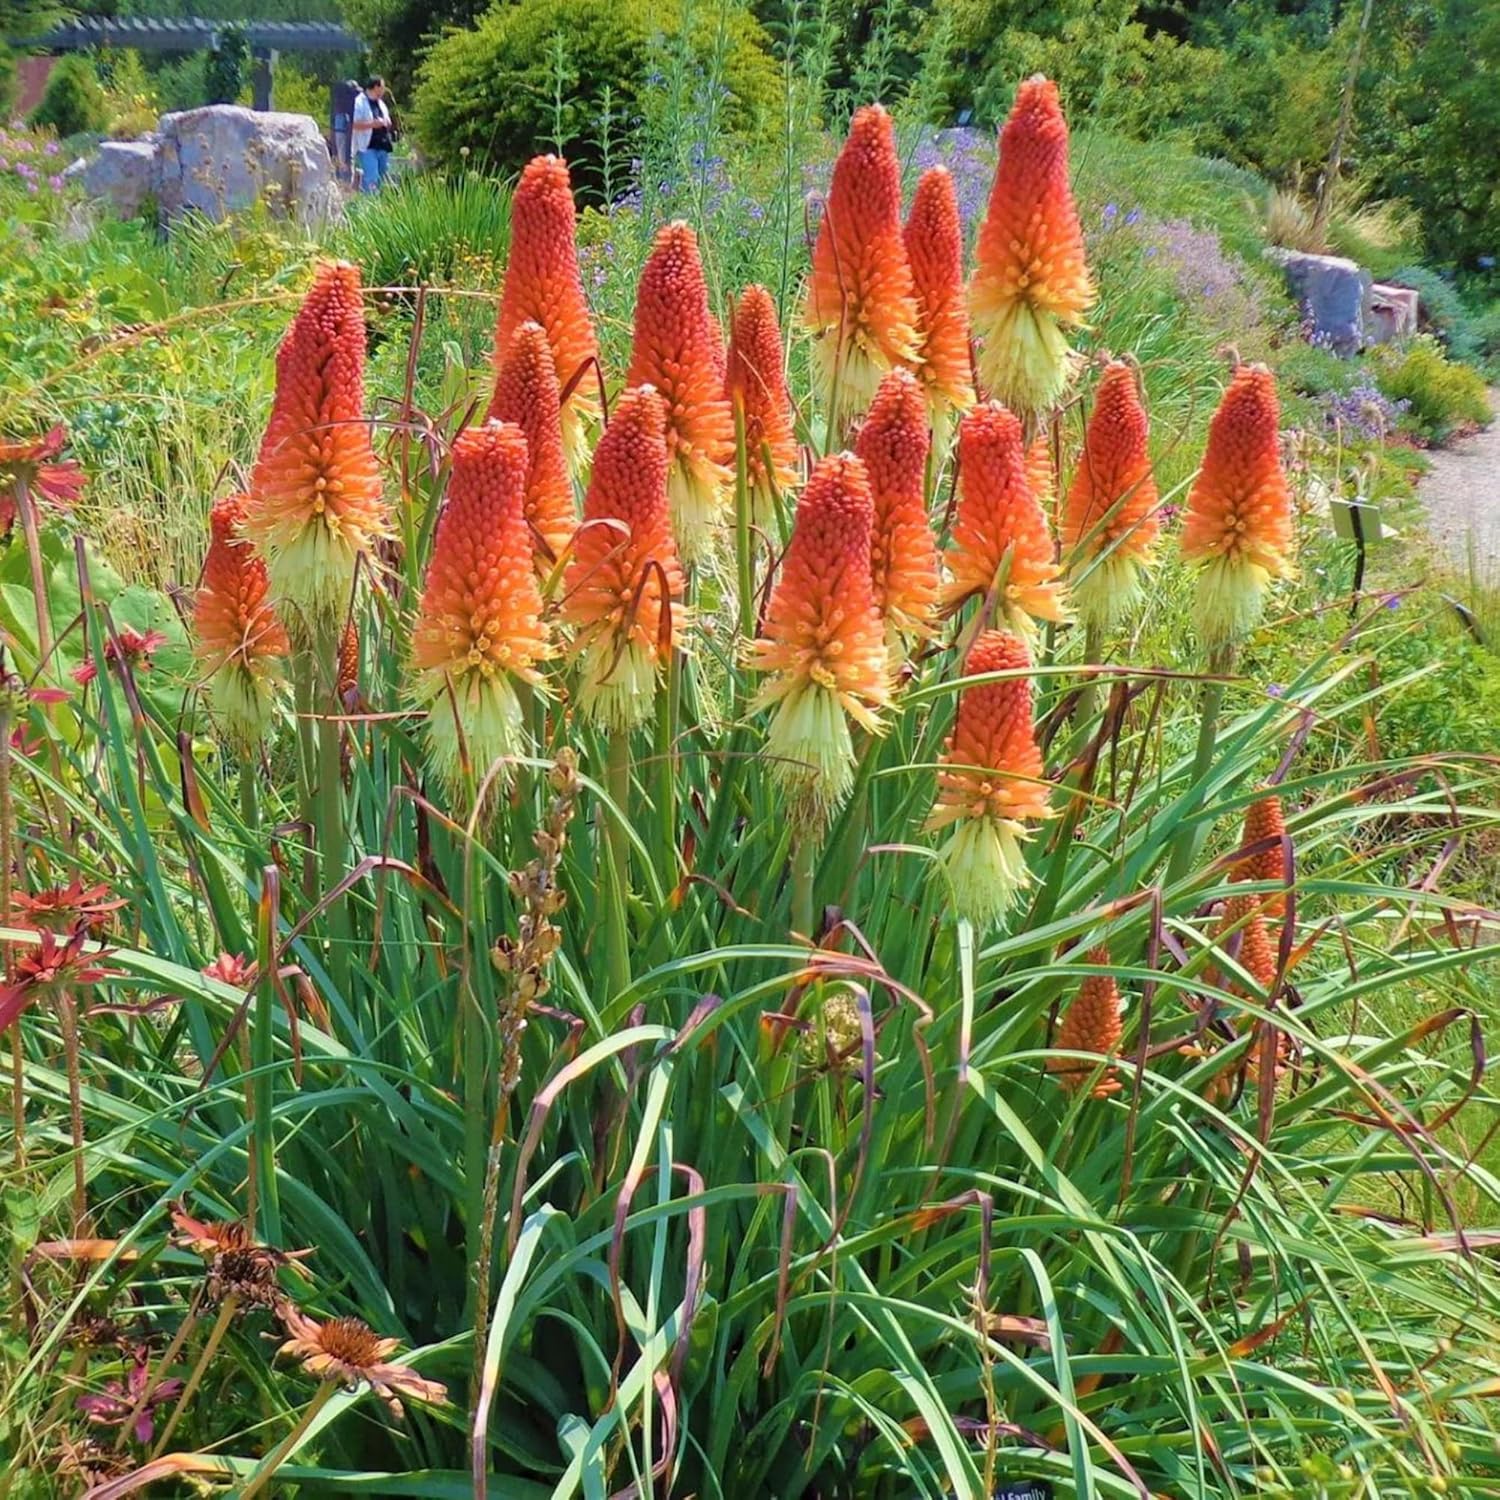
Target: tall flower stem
x=67, y=1013
x=227, y=1310
x=26, y=510
x=303, y=678
x=617, y=853
x=7, y=852
x=1088, y=692
x=155, y=1376
x=288, y=1444
x=804, y=875
x=262, y=1192
x=1188, y=838
x=743, y=553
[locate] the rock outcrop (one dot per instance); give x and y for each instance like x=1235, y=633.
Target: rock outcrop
x=1334, y=294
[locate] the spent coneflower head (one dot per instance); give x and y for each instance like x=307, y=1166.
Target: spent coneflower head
x=823, y=644
x=991, y=783
x=526, y=393
x=678, y=350
x=1092, y=1023
x=755, y=379
x=57, y=963
x=623, y=588
x=935, y=250
x=1239, y=511
x=893, y=444
x=1030, y=280
x=315, y=508
x=1108, y=523
x=1000, y=542
x=1264, y=819
x=480, y=628
x=349, y=1353
x=64, y=907
x=241, y=643
x=861, y=304
x=542, y=285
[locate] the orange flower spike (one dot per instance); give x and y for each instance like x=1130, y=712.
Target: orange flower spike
x=1265, y=820
x=679, y=350
x=992, y=785
x=1239, y=511
x=1030, y=280
x=756, y=378
x=315, y=507
x=542, y=285
x=893, y=445
x=935, y=250
x=241, y=643
x=347, y=685
x=1092, y=1023
x=861, y=300
x=479, y=630
x=623, y=588
x=526, y=393
x=824, y=646
x=999, y=527
x=1109, y=524
x=1041, y=473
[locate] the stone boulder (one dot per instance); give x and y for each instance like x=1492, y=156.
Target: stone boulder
x=1393, y=313
x=122, y=175
x=1334, y=294
x=223, y=158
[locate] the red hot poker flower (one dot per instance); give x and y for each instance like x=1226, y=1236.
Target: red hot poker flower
x=893, y=444
x=679, y=352
x=755, y=379
x=542, y=285
x=1092, y=1023
x=526, y=393
x=1030, y=280
x=861, y=301
x=623, y=589
x=999, y=528
x=935, y=249
x=480, y=628
x=1264, y=820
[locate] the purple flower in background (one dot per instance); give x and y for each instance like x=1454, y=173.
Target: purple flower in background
x=51, y=148
x=1392, y=601
x=1133, y=217
x=55, y=182
x=1274, y=690
x=1212, y=280
x=1110, y=211
x=1363, y=409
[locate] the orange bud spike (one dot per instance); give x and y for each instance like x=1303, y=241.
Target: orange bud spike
x=315, y=507
x=991, y=785
x=679, y=350
x=1239, y=511
x=479, y=631
x=823, y=645
x=861, y=301
x=935, y=249
x=1030, y=280
x=1092, y=1023
x=756, y=378
x=1264, y=820
x=1000, y=525
x=526, y=393
x=1109, y=521
x=241, y=643
x=348, y=671
x=893, y=445
x=542, y=285
x=623, y=588
x=1041, y=474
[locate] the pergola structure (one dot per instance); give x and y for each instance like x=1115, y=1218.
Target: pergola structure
x=192, y=34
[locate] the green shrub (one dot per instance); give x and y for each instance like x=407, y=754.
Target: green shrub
x=531, y=78
x=225, y=68
x=75, y=102
x=1442, y=395
x=7, y=81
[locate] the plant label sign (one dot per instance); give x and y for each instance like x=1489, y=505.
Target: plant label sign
x=1024, y=1489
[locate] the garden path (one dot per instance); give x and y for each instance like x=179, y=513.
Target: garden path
x=1462, y=496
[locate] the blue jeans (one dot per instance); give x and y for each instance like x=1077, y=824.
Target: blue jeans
x=373, y=165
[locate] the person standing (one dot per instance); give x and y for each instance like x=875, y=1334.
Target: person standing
x=372, y=135
x=344, y=95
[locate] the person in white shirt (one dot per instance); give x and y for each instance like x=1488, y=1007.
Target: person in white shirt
x=372, y=135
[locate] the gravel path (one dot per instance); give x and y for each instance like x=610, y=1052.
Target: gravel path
x=1462, y=495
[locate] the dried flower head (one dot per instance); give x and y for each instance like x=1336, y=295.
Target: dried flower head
x=480, y=627
x=348, y=1352
x=836, y=1033
x=1239, y=511
x=241, y=643
x=1000, y=542
x=526, y=393
x=1109, y=521
x=756, y=379
x=1030, y=280
x=1264, y=820
x=861, y=302
x=679, y=351
x=542, y=285
x=991, y=783
x=237, y=1265
x=315, y=508
x=33, y=464
x=623, y=588
x=113, y=1405
x=893, y=444
x=823, y=643
x=935, y=249
x=1092, y=1023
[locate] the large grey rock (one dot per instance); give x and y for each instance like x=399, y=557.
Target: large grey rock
x=222, y=158
x=121, y=175
x=1334, y=294
x=1393, y=313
